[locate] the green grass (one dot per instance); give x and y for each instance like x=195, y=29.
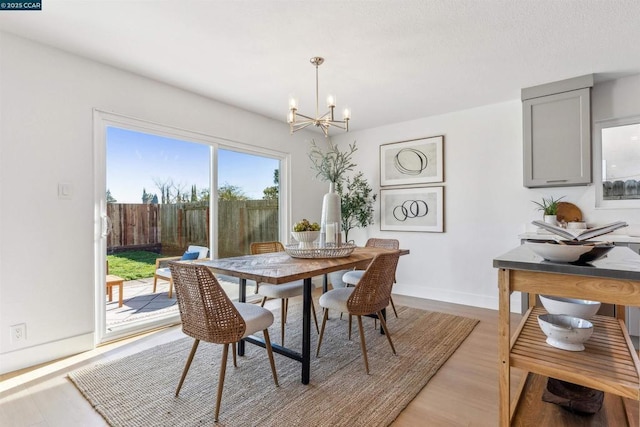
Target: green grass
x=133, y=264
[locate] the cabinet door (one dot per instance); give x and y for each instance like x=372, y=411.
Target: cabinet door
x=557, y=139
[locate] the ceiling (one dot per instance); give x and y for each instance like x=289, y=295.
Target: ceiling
x=388, y=61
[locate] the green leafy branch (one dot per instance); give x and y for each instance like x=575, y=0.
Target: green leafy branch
x=332, y=164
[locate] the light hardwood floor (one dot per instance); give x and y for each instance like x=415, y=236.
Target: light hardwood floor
x=464, y=392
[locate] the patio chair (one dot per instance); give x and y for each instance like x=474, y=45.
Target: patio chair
x=209, y=315
x=353, y=277
x=370, y=296
x=162, y=265
x=284, y=291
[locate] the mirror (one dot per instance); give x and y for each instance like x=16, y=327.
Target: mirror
x=617, y=163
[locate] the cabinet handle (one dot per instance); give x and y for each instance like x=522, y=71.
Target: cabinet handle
x=557, y=180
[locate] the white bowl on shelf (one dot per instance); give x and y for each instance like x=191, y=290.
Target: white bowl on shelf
x=557, y=252
x=581, y=308
x=565, y=332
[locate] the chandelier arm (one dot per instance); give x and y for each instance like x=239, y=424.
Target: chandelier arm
x=306, y=117
x=325, y=117
x=335, y=124
x=300, y=125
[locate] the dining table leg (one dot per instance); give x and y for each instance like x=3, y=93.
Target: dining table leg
x=242, y=297
x=306, y=331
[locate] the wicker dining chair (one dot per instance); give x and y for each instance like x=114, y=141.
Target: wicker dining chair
x=353, y=277
x=283, y=291
x=370, y=296
x=209, y=315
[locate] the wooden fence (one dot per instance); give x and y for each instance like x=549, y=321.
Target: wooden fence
x=621, y=190
x=169, y=229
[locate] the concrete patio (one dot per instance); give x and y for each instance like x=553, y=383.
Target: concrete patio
x=141, y=303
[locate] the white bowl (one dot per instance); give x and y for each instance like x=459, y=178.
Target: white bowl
x=565, y=332
x=556, y=252
x=305, y=238
x=581, y=308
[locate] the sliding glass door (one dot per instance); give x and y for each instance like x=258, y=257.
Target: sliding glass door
x=161, y=193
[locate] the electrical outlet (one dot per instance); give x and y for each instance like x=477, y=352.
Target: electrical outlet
x=18, y=333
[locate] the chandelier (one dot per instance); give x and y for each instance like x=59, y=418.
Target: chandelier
x=299, y=121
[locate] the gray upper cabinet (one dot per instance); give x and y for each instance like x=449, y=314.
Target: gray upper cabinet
x=557, y=133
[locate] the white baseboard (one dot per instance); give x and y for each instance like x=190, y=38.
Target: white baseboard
x=31, y=356
x=455, y=297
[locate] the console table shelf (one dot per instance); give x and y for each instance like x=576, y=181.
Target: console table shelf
x=608, y=362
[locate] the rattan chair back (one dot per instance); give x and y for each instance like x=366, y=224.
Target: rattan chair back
x=383, y=243
x=266, y=247
x=373, y=291
x=206, y=311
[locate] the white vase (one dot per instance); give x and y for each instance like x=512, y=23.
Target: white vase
x=331, y=220
x=551, y=219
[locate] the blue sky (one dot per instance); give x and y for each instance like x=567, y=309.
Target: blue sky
x=135, y=160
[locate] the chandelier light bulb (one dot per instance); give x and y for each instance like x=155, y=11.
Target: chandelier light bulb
x=331, y=101
x=346, y=114
x=293, y=103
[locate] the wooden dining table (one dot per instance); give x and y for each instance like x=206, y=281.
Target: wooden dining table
x=278, y=268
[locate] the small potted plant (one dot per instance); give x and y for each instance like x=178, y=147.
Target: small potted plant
x=306, y=233
x=549, y=208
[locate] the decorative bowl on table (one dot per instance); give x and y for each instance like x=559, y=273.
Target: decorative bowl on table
x=565, y=332
x=318, y=251
x=568, y=250
x=581, y=308
x=305, y=239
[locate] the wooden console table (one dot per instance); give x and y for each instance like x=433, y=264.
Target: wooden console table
x=609, y=362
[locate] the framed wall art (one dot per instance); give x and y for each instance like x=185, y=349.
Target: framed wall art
x=418, y=161
x=412, y=209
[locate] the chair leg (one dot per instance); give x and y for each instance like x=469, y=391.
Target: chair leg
x=170, y=287
x=223, y=368
x=233, y=350
x=315, y=317
x=363, y=345
x=264, y=299
x=187, y=365
x=283, y=318
x=155, y=283
x=267, y=344
x=386, y=331
x=325, y=316
x=394, y=307
x=350, y=327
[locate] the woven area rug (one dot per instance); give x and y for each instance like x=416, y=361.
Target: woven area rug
x=138, y=390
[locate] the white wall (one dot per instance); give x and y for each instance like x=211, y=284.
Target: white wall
x=47, y=244
x=47, y=99
x=486, y=205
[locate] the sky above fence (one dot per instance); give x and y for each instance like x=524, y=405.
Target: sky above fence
x=137, y=161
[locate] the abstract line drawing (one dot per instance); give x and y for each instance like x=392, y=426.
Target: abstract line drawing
x=412, y=209
x=410, y=161
x=417, y=161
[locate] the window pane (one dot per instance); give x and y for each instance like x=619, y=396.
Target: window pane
x=248, y=192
